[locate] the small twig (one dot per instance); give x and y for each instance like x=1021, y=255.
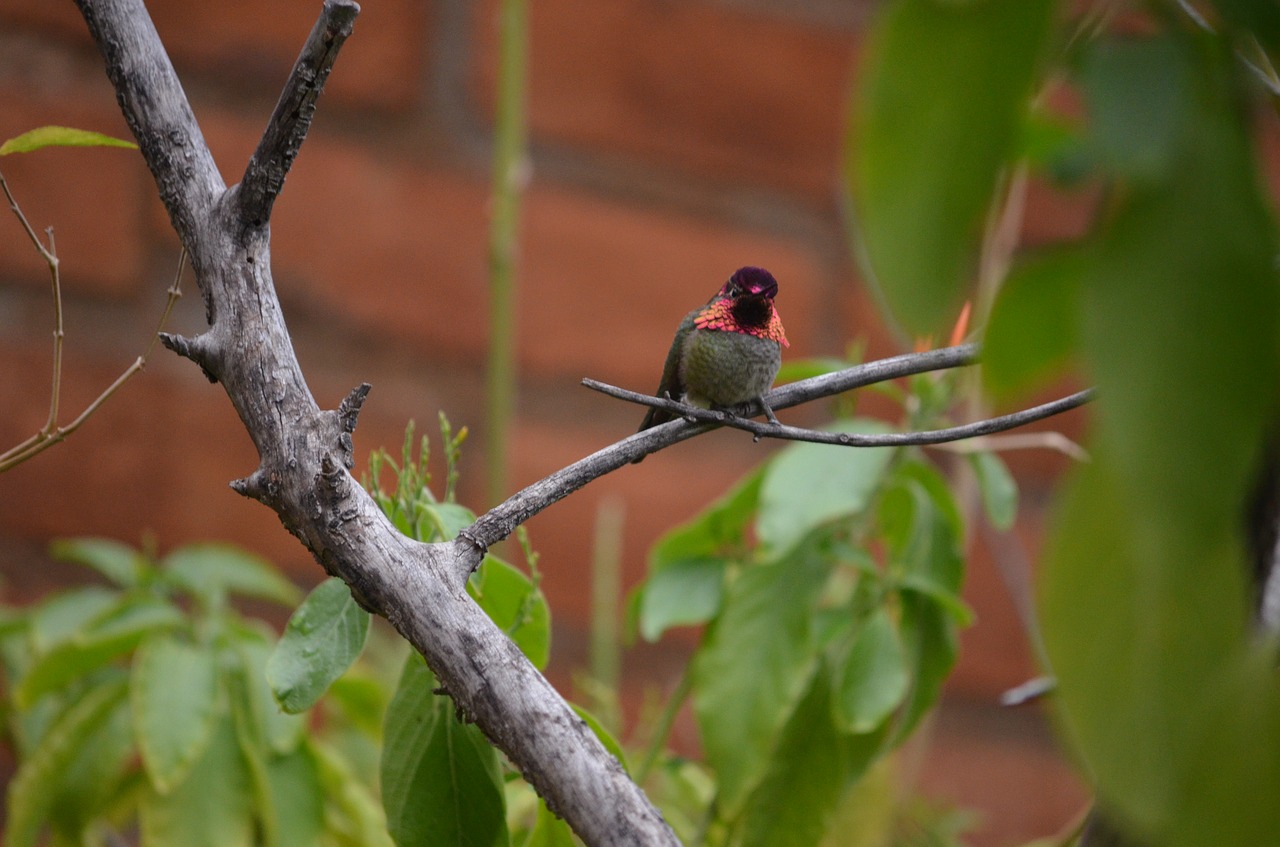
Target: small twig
x=51, y=433
x=1261, y=68
x=1055, y=441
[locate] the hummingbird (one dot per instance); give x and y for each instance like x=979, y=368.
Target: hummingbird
x=726, y=352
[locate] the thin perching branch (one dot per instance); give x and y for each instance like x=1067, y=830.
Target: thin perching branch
x=849, y=439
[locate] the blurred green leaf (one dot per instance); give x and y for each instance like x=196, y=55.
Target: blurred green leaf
x=807, y=775
x=298, y=799
x=442, y=521
x=117, y=561
x=61, y=615
x=363, y=701
x=95, y=778
x=685, y=593
x=606, y=737
x=113, y=633
x=1180, y=330
x=1055, y=146
x=1032, y=331
x=173, y=690
x=718, y=529
x=923, y=531
x=940, y=105
x=999, y=491
x=211, y=571
x=212, y=807
x=39, y=779
x=807, y=485
x=516, y=605
x=60, y=136
x=440, y=778
x=281, y=731
x=871, y=678
x=687, y=564
x=352, y=817
x=549, y=831
x=323, y=637
x=1138, y=95
x=753, y=667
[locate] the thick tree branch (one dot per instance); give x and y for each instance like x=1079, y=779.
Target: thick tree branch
x=305, y=452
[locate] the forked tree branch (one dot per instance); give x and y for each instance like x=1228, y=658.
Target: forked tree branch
x=305, y=453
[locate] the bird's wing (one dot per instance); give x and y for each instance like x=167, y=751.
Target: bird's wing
x=670, y=386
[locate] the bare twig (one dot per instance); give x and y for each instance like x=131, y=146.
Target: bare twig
x=1055, y=441
x=51, y=433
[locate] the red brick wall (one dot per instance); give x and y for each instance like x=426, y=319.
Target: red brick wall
x=673, y=140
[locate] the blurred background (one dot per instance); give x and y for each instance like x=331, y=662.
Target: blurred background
x=671, y=142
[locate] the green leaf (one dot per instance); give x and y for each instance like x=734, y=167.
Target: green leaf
x=323, y=637
x=1180, y=331
x=174, y=694
x=516, y=605
x=118, y=562
x=352, y=817
x=687, y=564
x=442, y=521
x=1138, y=96
x=1140, y=695
x=999, y=491
x=96, y=778
x=362, y=699
x=281, y=731
x=807, y=485
x=212, y=571
x=684, y=593
x=549, y=831
x=60, y=136
x=113, y=633
x=57, y=618
x=922, y=529
x=212, y=807
x=298, y=799
x=40, y=778
x=940, y=107
x=871, y=679
x=1032, y=332
x=807, y=776
x=753, y=667
x=718, y=530
x=440, y=778
x=606, y=738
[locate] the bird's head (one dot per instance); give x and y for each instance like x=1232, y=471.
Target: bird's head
x=750, y=282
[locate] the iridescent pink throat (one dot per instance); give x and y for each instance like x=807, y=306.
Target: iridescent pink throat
x=718, y=315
